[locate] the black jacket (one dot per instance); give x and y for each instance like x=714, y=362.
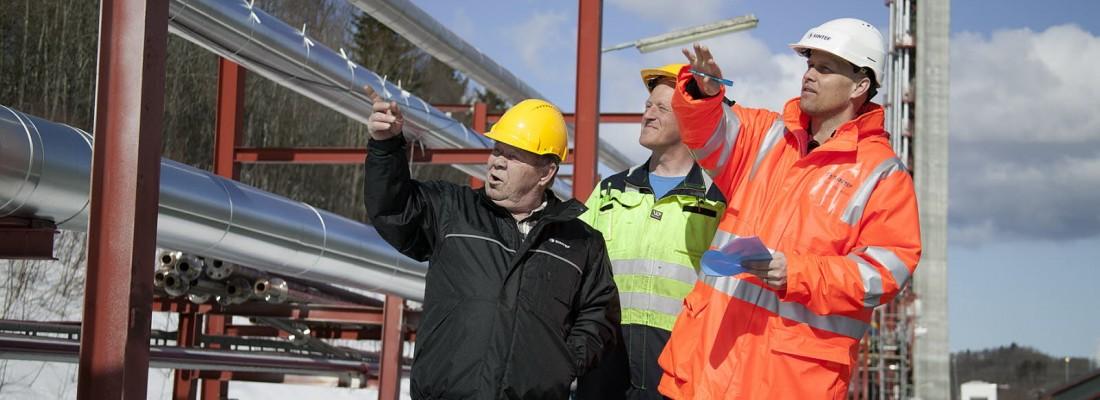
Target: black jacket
x=504, y=316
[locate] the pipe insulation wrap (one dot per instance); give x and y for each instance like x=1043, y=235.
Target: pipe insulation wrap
x=271, y=48
x=45, y=170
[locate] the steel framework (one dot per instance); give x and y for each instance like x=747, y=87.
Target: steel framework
x=115, y=340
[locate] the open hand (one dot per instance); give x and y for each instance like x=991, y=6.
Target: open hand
x=701, y=60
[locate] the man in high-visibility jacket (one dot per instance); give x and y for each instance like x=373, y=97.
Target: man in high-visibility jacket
x=821, y=188
x=657, y=218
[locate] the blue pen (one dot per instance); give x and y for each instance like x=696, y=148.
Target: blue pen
x=726, y=82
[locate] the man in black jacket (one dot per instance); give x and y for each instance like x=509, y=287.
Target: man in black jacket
x=519, y=298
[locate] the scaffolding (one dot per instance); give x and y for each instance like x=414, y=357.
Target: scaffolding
x=903, y=356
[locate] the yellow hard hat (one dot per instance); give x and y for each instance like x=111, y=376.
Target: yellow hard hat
x=670, y=70
x=533, y=125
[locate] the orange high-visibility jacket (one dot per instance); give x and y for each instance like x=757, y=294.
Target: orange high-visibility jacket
x=846, y=217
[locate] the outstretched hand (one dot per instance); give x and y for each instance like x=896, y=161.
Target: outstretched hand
x=701, y=60
x=386, y=120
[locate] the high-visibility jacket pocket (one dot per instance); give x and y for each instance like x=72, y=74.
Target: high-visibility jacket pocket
x=683, y=348
x=695, y=302
x=822, y=370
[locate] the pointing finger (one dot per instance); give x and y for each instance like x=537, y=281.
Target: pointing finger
x=689, y=55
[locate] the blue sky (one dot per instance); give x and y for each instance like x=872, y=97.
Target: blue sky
x=1024, y=236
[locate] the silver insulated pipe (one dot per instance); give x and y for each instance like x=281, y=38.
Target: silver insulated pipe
x=429, y=35
x=266, y=45
x=45, y=174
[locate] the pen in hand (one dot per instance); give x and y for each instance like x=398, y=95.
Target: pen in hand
x=725, y=82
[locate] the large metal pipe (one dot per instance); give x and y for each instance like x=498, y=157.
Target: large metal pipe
x=44, y=174
x=18, y=347
x=433, y=38
x=266, y=45
x=429, y=35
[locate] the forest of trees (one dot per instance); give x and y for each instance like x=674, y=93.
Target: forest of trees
x=1021, y=372
x=48, y=68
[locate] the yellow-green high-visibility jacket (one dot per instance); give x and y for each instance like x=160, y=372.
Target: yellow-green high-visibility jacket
x=654, y=244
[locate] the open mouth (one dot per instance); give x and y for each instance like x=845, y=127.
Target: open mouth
x=494, y=179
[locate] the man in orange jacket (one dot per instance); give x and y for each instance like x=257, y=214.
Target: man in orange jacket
x=821, y=188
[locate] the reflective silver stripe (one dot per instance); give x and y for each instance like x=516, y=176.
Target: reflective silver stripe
x=651, y=302
x=721, y=237
x=662, y=269
x=479, y=237
x=768, y=300
x=774, y=133
x=707, y=181
x=892, y=262
x=854, y=211
x=579, y=270
x=714, y=142
x=724, y=136
x=733, y=126
x=872, y=281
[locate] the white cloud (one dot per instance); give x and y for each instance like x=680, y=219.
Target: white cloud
x=1024, y=86
x=1025, y=136
x=545, y=42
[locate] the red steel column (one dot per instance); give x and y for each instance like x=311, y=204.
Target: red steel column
x=587, y=125
x=187, y=335
x=481, y=117
x=389, y=378
x=230, y=118
x=231, y=78
x=122, y=226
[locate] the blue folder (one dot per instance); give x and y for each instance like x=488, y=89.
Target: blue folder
x=727, y=260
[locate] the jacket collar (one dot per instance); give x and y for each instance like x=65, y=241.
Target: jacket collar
x=868, y=123
x=696, y=183
x=555, y=210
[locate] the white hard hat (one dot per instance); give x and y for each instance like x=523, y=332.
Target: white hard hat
x=854, y=40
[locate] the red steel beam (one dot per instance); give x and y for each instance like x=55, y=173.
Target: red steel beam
x=230, y=117
x=26, y=238
x=329, y=313
x=329, y=155
x=389, y=376
x=587, y=121
x=162, y=304
x=228, y=134
x=122, y=225
x=185, y=386
x=452, y=107
x=481, y=124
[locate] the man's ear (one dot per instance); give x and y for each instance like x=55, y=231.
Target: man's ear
x=548, y=173
x=862, y=87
